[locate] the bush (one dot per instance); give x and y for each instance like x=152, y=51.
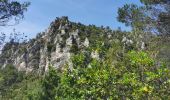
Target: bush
x=135, y=77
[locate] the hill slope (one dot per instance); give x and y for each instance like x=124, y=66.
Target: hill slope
x=55, y=46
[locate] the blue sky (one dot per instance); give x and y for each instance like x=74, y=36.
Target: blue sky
x=42, y=12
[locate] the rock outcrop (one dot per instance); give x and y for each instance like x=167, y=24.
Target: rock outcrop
x=54, y=47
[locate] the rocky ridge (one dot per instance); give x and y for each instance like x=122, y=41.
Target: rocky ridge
x=55, y=46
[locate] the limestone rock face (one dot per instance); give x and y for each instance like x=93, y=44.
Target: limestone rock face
x=54, y=47
x=86, y=42
x=69, y=41
x=95, y=55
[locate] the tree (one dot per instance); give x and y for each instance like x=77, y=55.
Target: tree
x=154, y=15
x=49, y=84
x=11, y=10
x=131, y=15
x=9, y=76
x=137, y=76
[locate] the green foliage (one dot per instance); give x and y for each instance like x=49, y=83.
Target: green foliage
x=74, y=48
x=50, y=48
x=78, y=60
x=136, y=77
x=140, y=58
x=131, y=15
x=11, y=9
x=149, y=2
x=153, y=15
x=123, y=70
x=29, y=89
x=84, y=83
x=16, y=85
x=49, y=84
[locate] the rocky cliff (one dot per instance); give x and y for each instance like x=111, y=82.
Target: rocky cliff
x=56, y=45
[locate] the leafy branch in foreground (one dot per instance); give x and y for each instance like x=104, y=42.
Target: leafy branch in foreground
x=11, y=10
x=137, y=76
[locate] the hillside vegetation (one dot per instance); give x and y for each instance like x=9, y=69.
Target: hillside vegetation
x=72, y=61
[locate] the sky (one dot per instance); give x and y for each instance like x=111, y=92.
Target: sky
x=42, y=12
